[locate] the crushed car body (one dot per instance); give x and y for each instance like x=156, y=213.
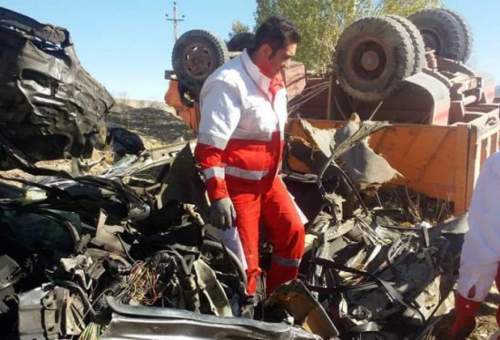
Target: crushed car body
x=127, y=252
x=50, y=107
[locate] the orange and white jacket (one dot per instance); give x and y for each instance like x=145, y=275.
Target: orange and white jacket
x=240, y=139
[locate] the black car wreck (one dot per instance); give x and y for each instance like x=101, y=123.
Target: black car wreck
x=50, y=107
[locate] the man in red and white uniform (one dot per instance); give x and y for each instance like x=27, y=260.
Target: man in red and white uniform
x=480, y=258
x=240, y=145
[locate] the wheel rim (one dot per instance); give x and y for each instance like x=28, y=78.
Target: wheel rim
x=198, y=60
x=368, y=59
x=432, y=41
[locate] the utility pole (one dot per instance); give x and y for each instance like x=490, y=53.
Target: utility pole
x=175, y=19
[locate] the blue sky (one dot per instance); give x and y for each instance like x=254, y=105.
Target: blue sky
x=127, y=44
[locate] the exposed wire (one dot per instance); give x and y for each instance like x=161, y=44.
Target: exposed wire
x=93, y=331
x=305, y=97
x=376, y=110
x=142, y=285
x=308, y=94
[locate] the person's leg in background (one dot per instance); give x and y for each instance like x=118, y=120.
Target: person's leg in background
x=496, y=336
x=465, y=317
x=285, y=230
x=473, y=286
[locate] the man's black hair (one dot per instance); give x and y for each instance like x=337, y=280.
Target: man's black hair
x=277, y=32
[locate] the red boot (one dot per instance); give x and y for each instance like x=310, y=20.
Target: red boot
x=497, y=280
x=465, y=321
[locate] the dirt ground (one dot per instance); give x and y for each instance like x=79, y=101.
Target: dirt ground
x=158, y=127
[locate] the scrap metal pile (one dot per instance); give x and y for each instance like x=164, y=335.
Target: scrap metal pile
x=118, y=252
x=380, y=268
x=126, y=253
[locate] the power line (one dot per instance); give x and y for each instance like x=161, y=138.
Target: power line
x=175, y=19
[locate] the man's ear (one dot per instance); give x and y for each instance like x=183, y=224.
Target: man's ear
x=267, y=50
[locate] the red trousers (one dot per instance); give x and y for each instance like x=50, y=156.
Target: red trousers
x=465, y=314
x=283, y=229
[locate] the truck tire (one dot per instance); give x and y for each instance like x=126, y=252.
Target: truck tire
x=469, y=39
x=195, y=56
x=372, y=57
x=241, y=41
x=416, y=40
x=442, y=32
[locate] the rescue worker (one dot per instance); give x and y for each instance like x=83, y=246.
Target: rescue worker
x=240, y=145
x=480, y=258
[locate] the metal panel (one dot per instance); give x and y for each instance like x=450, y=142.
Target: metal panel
x=135, y=322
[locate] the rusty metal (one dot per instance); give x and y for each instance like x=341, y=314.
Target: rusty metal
x=367, y=58
x=431, y=60
x=198, y=60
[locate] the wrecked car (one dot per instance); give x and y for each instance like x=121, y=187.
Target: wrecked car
x=50, y=106
x=108, y=255
x=128, y=252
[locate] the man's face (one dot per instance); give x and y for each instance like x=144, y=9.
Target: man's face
x=274, y=62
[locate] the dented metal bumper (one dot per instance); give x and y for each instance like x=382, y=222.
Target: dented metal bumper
x=136, y=322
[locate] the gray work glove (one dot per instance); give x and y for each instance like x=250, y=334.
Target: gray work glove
x=222, y=213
